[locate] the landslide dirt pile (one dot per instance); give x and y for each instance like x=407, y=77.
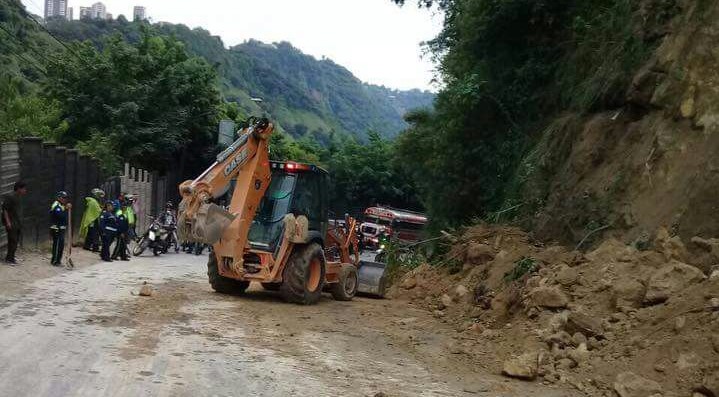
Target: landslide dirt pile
x=614, y=321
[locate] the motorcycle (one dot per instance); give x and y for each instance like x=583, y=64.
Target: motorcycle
x=168, y=238
x=158, y=238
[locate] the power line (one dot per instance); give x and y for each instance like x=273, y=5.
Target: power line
x=22, y=56
x=25, y=14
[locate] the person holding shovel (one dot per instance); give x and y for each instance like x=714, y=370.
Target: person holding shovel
x=59, y=215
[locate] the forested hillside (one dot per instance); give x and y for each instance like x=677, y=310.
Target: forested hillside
x=571, y=118
x=153, y=96
x=308, y=97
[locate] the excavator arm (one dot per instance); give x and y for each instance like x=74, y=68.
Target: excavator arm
x=246, y=162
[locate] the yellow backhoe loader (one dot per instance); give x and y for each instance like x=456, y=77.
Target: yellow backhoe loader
x=274, y=229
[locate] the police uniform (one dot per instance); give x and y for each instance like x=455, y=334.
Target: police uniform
x=123, y=227
x=108, y=230
x=58, y=227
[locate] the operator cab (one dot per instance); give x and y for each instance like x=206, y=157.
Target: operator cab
x=298, y=189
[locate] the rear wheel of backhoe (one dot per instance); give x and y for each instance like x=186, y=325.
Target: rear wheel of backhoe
x=221, y=284
x=272, y=286
x=304, y=275
x=346, y=288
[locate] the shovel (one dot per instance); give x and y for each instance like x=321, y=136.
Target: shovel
x=68, y=242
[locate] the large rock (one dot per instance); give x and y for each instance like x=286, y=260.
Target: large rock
x=611, y=251
x=446, y=300
x=409, y=283
x=671, y=278
x=524, y=367
x=567, y=276
x=146, y=290
x=628, y=292
x=549, y=297
x=671, y=247
x=629, y=384
x=461, y=293
x=479, y=253
x=583, y=323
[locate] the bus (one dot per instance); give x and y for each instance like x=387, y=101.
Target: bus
x=403, y=225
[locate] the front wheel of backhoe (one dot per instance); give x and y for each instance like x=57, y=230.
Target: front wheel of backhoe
x=221, y=284
x=346, y=288
x=304, y=275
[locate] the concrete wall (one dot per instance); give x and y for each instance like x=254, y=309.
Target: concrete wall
x=48, y=169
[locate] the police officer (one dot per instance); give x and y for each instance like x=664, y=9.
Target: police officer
x=58, y=226
x=123, y=227
x=131, y=216
x=108, y=230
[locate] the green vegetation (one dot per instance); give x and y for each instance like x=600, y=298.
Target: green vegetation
x=306, y=96
x=362, y=174
x=510, y=67
x=521, y=268
x=153, y=103
x=153, y=95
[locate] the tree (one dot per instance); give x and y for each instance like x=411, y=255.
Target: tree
x=509, y=67
x=150, y=102
x=27, y=114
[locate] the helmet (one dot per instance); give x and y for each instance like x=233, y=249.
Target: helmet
x=98, y=192
x=169, y=204
x=62, y=194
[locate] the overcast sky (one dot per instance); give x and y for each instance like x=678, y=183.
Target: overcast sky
x=376, y=40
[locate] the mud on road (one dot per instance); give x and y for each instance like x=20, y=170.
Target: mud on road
x=87, y=332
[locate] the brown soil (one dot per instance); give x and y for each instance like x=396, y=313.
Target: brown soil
x=603, y=293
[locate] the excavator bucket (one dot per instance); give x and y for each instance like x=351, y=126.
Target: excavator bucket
x=372, y=278
x=210, y=223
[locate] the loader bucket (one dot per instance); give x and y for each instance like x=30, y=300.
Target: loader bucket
x=210, y=223
x=372, y=278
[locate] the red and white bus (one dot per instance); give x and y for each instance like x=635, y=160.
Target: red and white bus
x=404, y=225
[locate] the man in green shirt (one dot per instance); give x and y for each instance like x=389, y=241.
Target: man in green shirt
x=12, y=219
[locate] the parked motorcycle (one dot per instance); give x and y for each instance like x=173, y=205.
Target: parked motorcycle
x=168, y=239
x=158, y=238
x=150, y=239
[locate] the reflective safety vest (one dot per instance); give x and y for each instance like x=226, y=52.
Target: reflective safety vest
x=58, y=216
x=130, y=215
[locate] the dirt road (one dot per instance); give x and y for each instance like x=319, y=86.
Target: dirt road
x=86, y=332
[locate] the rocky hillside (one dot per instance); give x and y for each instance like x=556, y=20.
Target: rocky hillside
x=648, y=163
x=308, y=96
x=614, y=321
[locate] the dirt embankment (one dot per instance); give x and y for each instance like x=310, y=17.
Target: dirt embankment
x=649, y=163
x=616, y=320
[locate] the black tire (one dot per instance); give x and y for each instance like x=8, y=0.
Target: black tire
x=140, y=247
x=304, y=275
x=272, y=286
x=156, y=251
x=223, y=285
x=346, y=288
